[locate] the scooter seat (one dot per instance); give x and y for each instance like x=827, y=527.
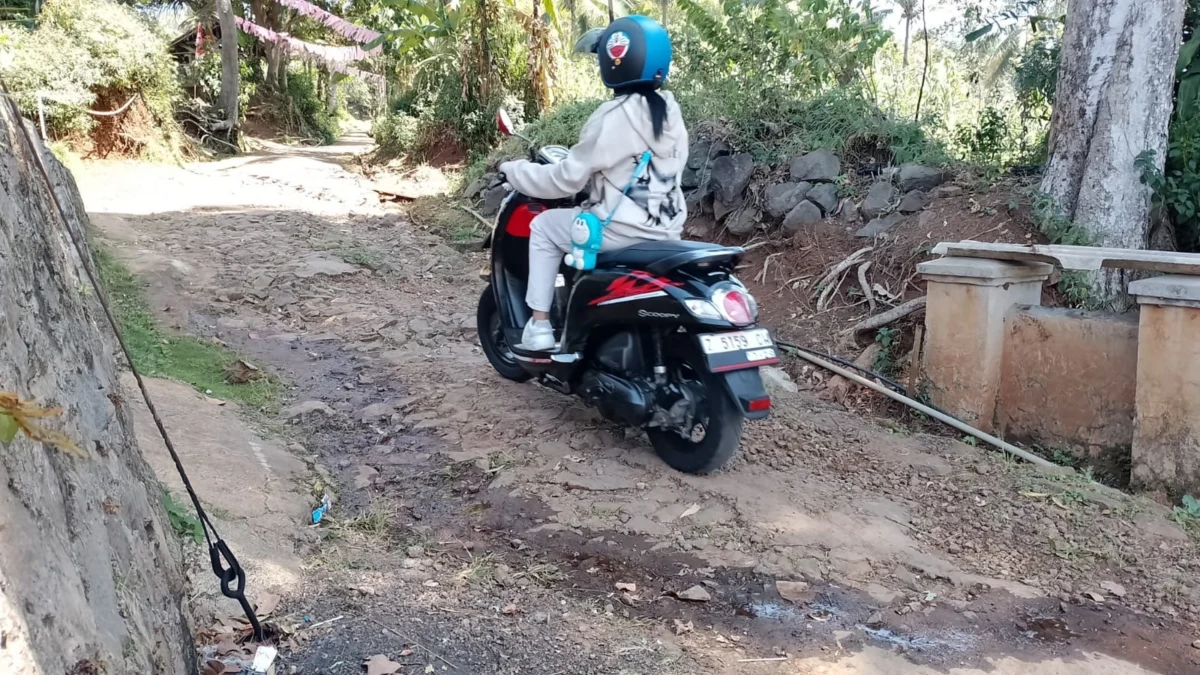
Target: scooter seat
x=660, y=257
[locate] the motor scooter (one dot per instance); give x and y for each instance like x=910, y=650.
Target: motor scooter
x=659, y=335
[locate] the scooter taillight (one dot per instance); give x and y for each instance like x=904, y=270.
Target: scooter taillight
x=736, y=306
x=759, y=404
x=522, y=216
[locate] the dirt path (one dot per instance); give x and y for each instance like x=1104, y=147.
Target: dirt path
x=482, y=526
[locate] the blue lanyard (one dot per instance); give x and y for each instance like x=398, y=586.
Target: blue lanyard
x=643, y=162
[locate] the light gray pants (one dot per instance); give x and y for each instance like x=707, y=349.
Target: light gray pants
x=549, y=241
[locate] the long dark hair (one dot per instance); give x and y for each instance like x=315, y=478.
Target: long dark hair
x=658, y=105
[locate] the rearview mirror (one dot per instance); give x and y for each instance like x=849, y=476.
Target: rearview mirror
x=588, y=43
x=504, y=122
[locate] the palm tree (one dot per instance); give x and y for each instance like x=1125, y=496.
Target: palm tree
x=908, y=12
x=1005, y=35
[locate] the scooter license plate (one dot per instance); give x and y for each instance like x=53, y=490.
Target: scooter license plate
x=743, y=349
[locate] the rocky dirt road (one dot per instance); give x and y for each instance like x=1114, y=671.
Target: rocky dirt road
x=482, y=526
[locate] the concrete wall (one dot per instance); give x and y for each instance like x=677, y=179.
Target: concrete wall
x=1166, y=448
x=1068, y=379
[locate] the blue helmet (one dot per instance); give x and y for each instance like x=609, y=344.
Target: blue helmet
x=634, y=50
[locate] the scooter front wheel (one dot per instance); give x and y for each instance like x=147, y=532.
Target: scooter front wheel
x=492, y=339
x=714, y=437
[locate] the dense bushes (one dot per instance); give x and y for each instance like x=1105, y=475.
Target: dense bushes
x=394, y=133
x=312, y=117
x=88, y=53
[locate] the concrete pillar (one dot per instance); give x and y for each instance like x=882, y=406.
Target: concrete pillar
x=968, y=299
x=1166, y=427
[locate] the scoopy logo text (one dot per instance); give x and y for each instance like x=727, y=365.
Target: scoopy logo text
x=617, y=45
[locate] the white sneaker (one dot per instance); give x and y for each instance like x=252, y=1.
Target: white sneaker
x=538, y=336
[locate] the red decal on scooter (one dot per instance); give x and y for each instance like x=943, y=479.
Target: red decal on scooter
x=633, y=286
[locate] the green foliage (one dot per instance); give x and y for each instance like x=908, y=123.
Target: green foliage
x=1019, y=13
x=1036, y=76
x=315, y=121
x=197, y=362
x=1059, y=229
x=394, y=133
x=884, y=362
x=560, y=126
x=358, y=97
x=83, y=50
x=1176, y=187
x=1188, y=515
x=813, y=45
x=984, y=142
x=183, y=519
x=774, y=124
x=790, y=77
x=202, y=78
x=457, y=63
x=8, y=428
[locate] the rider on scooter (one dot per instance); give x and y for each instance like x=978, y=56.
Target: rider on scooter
x=635, y=58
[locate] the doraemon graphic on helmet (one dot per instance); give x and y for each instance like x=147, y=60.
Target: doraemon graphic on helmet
x=632, y=50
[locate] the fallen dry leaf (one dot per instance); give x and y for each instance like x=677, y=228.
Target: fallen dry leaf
x=1113, y=587
x=266, y=604
x=17, y=415
x=691, y=511
x=213, y=667
x=406, y=652
x=510, y=608
x=241, y=372
x=227, y=647
x=381, y=665
x=231, y=668
x=622, y=586
x=1096, y=597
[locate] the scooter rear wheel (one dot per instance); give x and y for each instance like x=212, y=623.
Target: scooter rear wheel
x=719, y=420
x=491, y=338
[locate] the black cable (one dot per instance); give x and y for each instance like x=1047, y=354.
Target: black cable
x=218, y=550
x=849, y=364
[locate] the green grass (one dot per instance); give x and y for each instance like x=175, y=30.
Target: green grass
x=185, y=358
x=183, y=518
x=358, y=254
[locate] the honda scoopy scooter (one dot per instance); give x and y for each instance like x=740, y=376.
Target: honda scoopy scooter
x=658, y=335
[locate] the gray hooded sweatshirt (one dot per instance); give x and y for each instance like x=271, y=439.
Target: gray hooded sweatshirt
x=610, y=145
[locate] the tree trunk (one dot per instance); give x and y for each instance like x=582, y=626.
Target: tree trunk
x=270, y=16
x=274, y=67
x=90, y=576
x=331, y=92
x=907, y=28
x=229, y=63
x=1113, y=102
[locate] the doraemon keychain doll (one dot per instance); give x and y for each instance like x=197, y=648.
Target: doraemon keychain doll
x=587, y=232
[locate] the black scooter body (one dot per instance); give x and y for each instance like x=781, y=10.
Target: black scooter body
x=623, y=327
